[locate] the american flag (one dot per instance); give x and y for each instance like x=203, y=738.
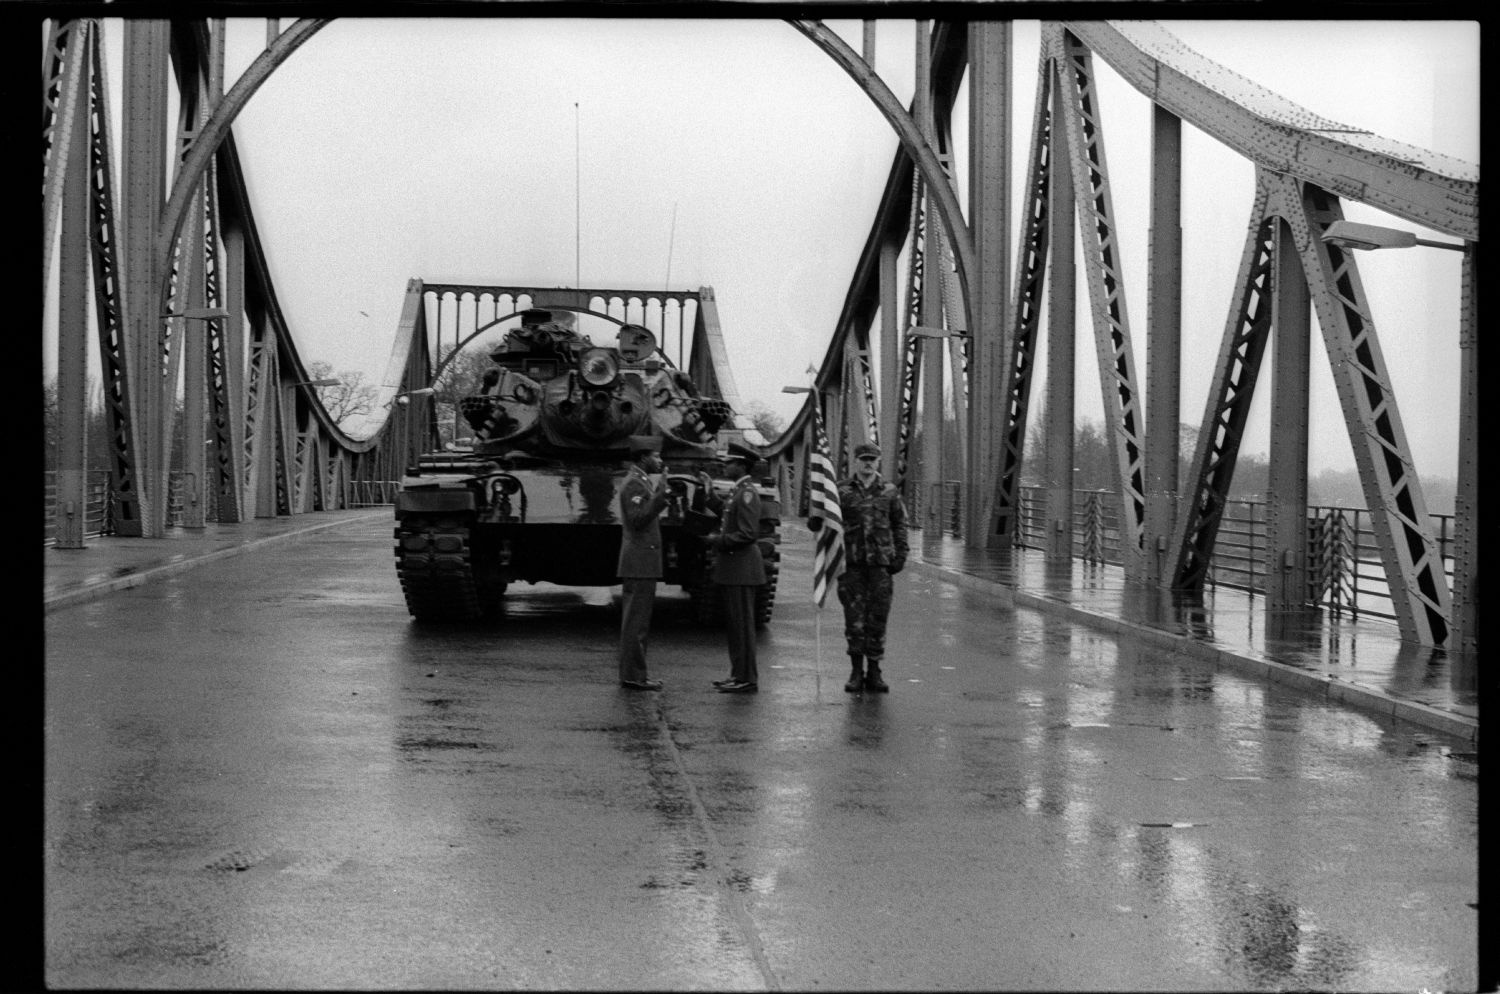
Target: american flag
x=828, y=552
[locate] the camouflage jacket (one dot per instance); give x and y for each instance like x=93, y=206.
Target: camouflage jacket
x=874, y=523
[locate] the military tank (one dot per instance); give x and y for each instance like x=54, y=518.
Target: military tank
x=534, y=495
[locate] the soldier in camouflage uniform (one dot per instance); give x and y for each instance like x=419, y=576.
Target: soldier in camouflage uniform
x=874, y=551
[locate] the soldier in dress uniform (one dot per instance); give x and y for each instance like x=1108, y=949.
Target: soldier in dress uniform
x=875, y=548
x=738, y=566
x=641, y=504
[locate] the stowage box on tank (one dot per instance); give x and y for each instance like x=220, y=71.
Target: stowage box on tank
x=536, y=496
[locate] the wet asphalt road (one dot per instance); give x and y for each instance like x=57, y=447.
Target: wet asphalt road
x=261, y=774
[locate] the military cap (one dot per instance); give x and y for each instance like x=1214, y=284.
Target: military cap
x=645, y=443
x=740, y=451
x=866, y=449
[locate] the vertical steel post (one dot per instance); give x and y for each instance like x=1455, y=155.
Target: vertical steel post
x=144, y=171
x=856, y=423
x=193, y=344
x=989, y=224
x=1286, y=504
x=267, y=438
x=233, y=496
x=931, y=305
x=1163, y=342
x=1061, y=338
x=892, y=352
x=73, y=316
x=1465, y=602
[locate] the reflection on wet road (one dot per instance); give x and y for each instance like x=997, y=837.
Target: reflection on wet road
x=262, y=774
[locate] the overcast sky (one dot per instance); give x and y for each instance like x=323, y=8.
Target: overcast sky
x=445, y=149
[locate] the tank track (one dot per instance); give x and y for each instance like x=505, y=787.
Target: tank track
x=434, y=563
x=765, y=594
x=708, y=602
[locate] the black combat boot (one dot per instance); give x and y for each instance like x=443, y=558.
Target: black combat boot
x=856, y=673
x=872, y=678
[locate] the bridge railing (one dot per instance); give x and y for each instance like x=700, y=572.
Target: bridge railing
x=99, y=510
x=98, y=516
x=1345, y=570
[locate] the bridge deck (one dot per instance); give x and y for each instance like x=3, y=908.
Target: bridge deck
x=1359, y=662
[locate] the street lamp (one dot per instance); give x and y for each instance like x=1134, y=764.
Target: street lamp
x=405, y=398
x=1352, y=235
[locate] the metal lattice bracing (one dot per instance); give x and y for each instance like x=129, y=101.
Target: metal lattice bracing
x=911, y=355
x=109, y=311
x=1028, y=308
x=1393, y=493
x=1122, y=413
x=1235, y=373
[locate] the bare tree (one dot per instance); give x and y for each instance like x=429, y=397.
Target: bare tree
x=350, y=397
x=766, y=421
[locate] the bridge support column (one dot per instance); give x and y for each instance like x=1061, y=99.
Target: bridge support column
x=989, y=342
x=931, y=309
x=71, y=502
x=1163, y=343
x=144, y=172
x=1057, y=457
x=1465, y=602
x=892, y=349
x=1286, y=502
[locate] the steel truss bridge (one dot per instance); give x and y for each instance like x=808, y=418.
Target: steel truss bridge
x=167, y=278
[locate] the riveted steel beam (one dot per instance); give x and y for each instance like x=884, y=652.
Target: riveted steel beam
x=912, y=140
x=986, y=350
x=1061, y=335
x=1236, y=370
x=1419, y=185
x=1393, y=492
x=1286, y=559
x=1028, y=308
x=212, y=133
x=1112, y=342
x=1163, y=341
x=1465, y=614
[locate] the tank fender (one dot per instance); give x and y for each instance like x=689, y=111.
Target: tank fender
x=431, y=501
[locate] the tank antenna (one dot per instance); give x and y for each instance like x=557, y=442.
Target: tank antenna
x=577, y=209
x=667, y=288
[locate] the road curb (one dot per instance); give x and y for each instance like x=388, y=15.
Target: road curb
x=93, y=591
x=1324, y=685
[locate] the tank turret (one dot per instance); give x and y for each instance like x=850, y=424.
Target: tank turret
x=552, y=390
x=535, y=498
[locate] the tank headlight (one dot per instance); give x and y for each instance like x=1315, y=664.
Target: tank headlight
x=598, y=367
x=505, y=485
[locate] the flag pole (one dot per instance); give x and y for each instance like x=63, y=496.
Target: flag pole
x=818, y=658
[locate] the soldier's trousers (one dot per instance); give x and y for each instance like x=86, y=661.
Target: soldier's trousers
x=865, y=592
x=739, y=630
x=635, y=626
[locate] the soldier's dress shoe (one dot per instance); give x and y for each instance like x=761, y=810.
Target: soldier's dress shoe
x=739, y=687
x=641, y=684
x=725, y=682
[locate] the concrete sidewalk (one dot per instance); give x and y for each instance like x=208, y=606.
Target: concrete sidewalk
x=1362, y=664
x=109, y=563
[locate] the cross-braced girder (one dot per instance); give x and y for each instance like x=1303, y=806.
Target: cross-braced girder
x=1393, y=493
x=1236, y=371
x=1106, y=290
x=1028, y=308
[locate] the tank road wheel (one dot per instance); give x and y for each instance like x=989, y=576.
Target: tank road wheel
x=765, y=594
x=434, y=563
